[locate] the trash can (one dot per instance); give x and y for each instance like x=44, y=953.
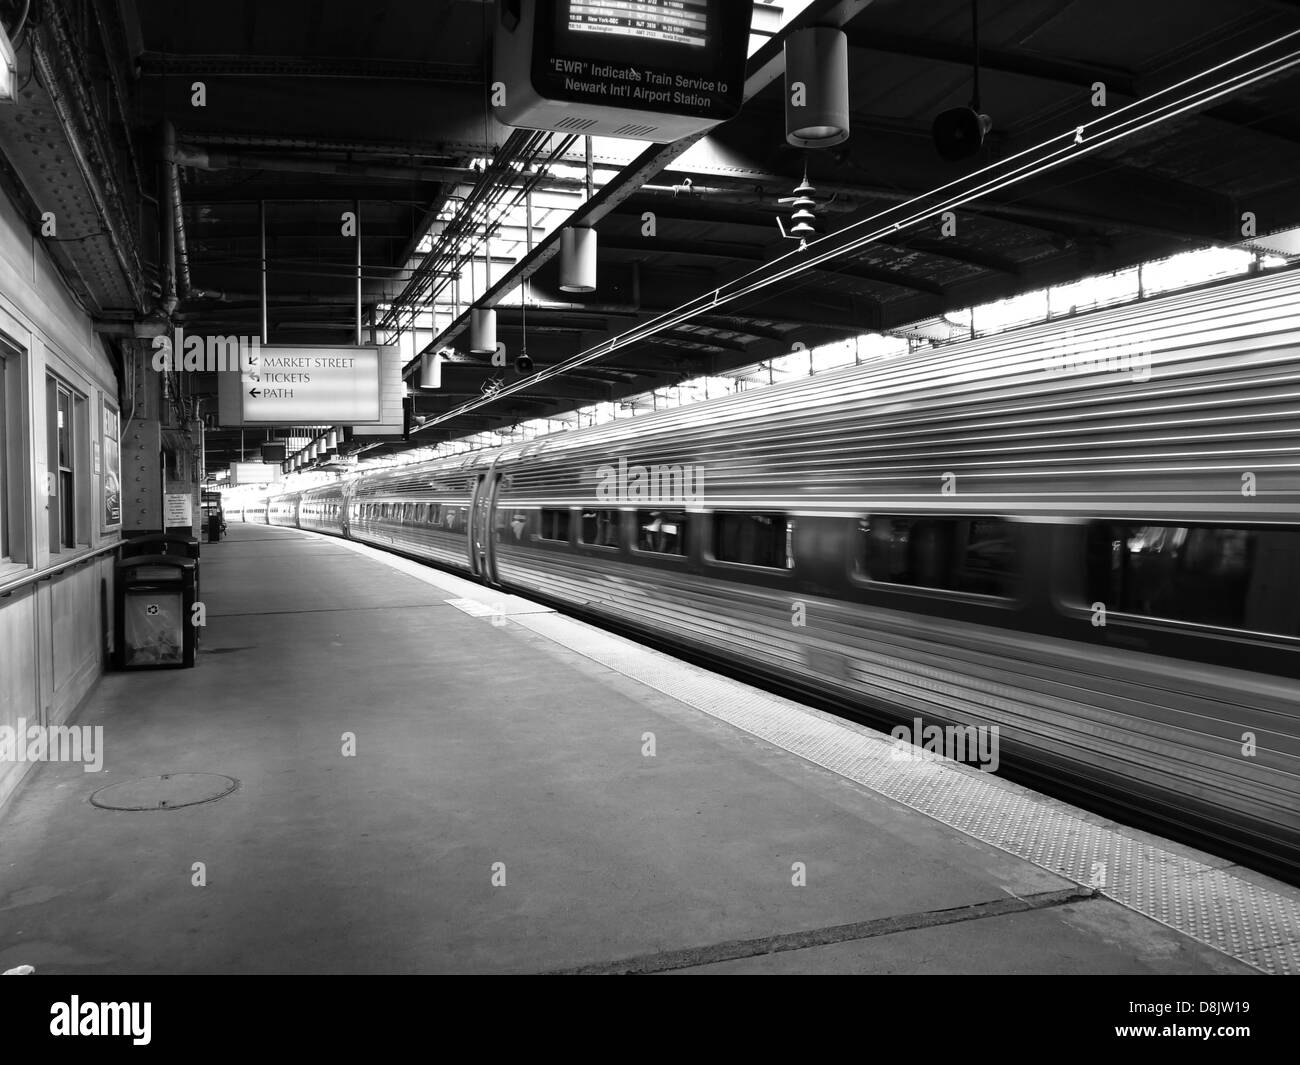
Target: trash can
x=155, y=596
x=164, y=544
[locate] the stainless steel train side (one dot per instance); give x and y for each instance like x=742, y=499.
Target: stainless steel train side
x=928, y=537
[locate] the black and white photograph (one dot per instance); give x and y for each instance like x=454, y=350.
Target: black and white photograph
x=649, y=487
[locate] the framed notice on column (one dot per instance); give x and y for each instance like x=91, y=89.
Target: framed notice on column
x=111, y=481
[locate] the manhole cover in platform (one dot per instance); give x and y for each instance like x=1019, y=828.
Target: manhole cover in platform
x=167, y=792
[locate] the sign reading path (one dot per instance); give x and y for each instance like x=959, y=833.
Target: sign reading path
x=294, y=385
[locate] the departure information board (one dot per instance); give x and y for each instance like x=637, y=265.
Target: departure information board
x=649, y=69
x=675, y=21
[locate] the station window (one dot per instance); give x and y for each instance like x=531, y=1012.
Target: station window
x=1237, y=578
x=66, y=412
x=662, y=531
x=555, y=524
x=754, y=539
x=972, y=555
x=600, y=528
x=9, y=451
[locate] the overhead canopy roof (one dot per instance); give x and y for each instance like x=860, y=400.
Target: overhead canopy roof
x=314, y=106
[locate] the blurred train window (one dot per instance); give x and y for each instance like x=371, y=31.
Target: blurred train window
x=600, y=528
x=1236, y=578
x=555, y=524
x=972, y=555
x=662, y=531
x=754, y=539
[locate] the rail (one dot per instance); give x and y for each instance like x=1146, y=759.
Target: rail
x=84, y=559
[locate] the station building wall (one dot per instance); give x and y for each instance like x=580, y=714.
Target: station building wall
x=57, y=510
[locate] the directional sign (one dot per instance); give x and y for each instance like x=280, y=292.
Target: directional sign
x=293, y=385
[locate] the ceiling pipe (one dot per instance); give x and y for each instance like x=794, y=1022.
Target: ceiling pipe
x=177, y=212
x=205, y=159
x=167, y=230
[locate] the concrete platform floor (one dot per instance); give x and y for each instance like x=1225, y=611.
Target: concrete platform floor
x=487, y=753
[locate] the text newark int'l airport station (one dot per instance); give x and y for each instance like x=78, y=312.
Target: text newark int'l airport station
x=801, y=487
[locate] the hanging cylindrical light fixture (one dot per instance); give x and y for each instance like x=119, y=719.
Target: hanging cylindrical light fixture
x=817, y=87
x=578, y=260
x=332, y=440
x=431, y=370
x=483, y=330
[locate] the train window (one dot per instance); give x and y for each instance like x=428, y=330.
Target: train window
x=555, y=524
x=512, y=526
x=754, y=539
x=600, y=528
x=662, y=531
x=973, y=555
x=1236, y=578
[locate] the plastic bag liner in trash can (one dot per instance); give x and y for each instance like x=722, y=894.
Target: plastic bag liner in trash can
x=155, y=600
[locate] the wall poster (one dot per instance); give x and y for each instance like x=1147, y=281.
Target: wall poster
x=111, y=483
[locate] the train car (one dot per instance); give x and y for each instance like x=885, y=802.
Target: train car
x=1088, y=537
x=421, y=509
x=256, y=512
x=323, y=509
x=283, y=510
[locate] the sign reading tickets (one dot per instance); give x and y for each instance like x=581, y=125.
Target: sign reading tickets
x=293, y=385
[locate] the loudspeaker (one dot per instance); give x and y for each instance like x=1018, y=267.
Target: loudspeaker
x=959, y=133
x=523, y=364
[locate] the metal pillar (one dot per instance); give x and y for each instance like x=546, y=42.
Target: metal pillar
x=261, y=213
x=356, y=211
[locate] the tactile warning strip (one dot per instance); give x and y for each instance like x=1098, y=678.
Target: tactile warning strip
x=1242, y=919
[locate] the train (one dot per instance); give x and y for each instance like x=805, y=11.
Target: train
x=1085, y=533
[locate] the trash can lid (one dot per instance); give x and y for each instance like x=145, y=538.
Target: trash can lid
x=181, y=562
x=152, y=542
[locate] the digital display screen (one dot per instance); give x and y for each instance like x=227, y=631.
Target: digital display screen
x=657, y=58
x=672, y=21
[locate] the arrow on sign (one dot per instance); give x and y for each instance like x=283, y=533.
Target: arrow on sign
x=253, y=392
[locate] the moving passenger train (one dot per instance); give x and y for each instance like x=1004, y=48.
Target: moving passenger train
x=1087, y=536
